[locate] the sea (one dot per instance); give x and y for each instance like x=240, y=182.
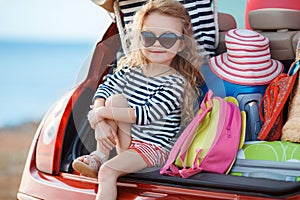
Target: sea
x=34, y=74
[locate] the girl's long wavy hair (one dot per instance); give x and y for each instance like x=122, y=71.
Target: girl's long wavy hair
x=187, y=62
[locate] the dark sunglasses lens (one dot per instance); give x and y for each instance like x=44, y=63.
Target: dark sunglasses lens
x=148, y=39
x=167, y=40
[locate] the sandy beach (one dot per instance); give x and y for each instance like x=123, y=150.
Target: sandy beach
x=14, y=147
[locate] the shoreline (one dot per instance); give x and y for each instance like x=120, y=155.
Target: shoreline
x=14, y=147
x=24, y=126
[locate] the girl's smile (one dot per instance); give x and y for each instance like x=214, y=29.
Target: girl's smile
x=157, y=51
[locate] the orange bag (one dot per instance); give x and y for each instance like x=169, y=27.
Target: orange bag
x=273, y=102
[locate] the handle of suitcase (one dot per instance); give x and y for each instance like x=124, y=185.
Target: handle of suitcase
x=250, y=104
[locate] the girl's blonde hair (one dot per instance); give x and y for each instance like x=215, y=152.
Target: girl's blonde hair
x=187, y=62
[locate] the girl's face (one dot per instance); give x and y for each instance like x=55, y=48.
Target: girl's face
x=161, y=38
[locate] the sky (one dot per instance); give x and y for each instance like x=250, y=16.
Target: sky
x=77, y=21
x=52, y=20
x=43, y=23
x=66, y=19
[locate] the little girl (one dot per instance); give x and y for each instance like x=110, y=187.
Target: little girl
x=203, y=18
x=140, y=108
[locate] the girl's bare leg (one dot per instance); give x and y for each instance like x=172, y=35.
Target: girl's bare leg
x=119, y=134
x=126, y=162
x=122, y=129
x=100, y=147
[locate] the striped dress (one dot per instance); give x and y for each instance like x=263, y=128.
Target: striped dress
x=157, y=102
x=201, y=14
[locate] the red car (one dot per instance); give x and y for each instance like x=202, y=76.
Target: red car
x=64, y=134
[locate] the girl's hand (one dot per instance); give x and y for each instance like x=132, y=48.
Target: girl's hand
x=94, y=117
x=106, y=133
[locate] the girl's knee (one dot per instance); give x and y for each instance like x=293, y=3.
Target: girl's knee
x=116, y=100
x=106, y=174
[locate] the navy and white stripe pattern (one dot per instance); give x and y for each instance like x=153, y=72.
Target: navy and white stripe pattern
x=157, y=102
x=201, y=15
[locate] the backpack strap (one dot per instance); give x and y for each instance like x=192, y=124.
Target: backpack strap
x=195, y=169
x=186, y=137
x=205, y=110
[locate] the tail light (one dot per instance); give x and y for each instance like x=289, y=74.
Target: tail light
x=50, y=140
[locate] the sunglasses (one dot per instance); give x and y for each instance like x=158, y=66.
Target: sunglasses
x=167, y=40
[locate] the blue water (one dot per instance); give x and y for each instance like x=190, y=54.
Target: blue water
x=33, y=75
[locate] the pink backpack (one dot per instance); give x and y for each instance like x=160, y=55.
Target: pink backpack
x=210, y=142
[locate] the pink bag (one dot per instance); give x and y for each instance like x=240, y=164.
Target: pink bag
x=211, y=140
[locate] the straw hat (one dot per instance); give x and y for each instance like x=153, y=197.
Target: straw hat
x=247, y=60
x=106, y=4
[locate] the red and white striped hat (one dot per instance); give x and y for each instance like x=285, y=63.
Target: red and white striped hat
x=247, y=60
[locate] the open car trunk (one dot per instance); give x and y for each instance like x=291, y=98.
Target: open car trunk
x=79, y=140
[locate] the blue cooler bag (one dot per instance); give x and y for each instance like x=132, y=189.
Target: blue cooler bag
x=249, y=98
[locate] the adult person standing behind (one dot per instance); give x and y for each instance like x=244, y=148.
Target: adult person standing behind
x=202, y=13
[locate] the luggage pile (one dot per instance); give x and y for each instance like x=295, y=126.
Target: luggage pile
x=272, y=148
x=266, y=144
